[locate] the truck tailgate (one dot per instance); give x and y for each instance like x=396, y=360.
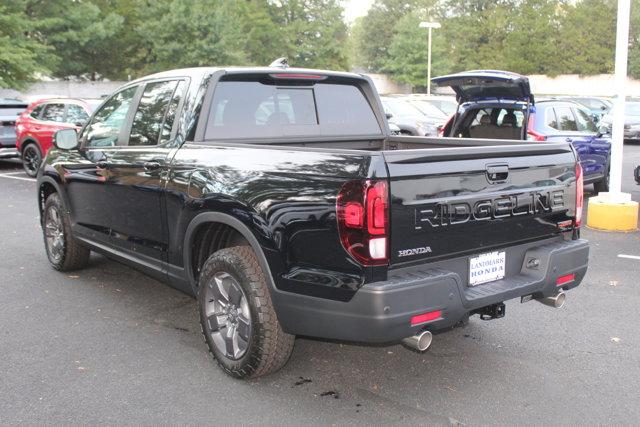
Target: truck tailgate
x=448, y=202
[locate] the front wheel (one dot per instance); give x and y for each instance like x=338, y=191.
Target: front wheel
x=65, y=253
x=239, y=323
x=31, y=159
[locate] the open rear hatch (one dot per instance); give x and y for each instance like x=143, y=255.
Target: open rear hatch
x=470, y=200
x=487, y=84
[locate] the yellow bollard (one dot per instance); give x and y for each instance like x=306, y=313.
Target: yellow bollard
x=612, y=213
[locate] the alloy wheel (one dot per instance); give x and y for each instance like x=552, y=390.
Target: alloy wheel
x=31, y=159
x=54, y=234
x=228, y=315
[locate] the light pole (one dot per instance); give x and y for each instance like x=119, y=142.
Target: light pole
x=430, y=26
x=614, y=210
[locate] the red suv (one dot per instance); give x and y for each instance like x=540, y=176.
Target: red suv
x=37, y=124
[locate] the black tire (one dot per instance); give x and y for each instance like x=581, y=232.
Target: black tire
x=64, y=252
x=266, y=346
x=602, y=185
x=31, y=159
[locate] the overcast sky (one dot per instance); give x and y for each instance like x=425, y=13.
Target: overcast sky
x=355, y=8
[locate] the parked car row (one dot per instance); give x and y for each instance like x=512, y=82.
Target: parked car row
x=26, y=129
x=9, y=111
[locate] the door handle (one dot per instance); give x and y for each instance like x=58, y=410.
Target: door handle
x=152, y=165
x=102, y=164
x=497, y=174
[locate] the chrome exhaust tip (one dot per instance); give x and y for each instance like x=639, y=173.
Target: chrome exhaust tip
x=556, y=301
x=420, y=341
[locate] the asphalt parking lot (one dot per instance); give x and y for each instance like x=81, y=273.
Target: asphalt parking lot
x=108, y=345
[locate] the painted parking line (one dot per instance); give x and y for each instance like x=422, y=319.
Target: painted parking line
x=21, y=178
x=629, y=256
x=13, y=173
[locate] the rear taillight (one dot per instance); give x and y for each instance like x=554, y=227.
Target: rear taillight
x=579, y=195
x=362, y=208
x=532, y=135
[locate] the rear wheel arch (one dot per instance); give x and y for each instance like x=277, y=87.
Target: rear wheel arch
x=28, y=140
x=212, y=231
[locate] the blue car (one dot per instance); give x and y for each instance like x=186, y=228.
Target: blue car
x=499, y=105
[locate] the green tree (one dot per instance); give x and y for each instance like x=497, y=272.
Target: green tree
x=587, y=38
x=189, y=33
x=81, y=35
x=634, y=45
x=20, y=55
x=407, y=56
x=377, y=29
x=314, y=32
x=264, y=39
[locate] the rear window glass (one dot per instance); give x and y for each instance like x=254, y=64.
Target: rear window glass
x=246, y=110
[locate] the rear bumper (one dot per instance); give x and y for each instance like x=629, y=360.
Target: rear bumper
x=381, y=312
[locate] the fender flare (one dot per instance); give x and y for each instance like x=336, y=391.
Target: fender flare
x=49, y=180
x=206, y=217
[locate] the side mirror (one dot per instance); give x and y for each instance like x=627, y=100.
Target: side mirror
x=66, y=139
x=603, y=108
x=388, y=115
x=636, y=174
x=603, y=129
x=595, y=117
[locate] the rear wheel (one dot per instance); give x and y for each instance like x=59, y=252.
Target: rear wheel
x=239, y=323
x=65, y=253
x=602, y=185
x=31, y=159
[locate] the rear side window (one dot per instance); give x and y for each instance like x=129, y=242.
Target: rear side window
x=566, y=121
x=35, y=113
x=53, y=113
x=247, y=110
x=149, y=118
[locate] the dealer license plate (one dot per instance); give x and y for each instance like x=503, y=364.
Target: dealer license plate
x=486, y=268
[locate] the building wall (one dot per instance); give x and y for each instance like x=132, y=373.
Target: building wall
x=64, y=89
x=570, y=84
x=573, y=84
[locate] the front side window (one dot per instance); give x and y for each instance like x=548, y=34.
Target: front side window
x=76, y=114
x=247, y=109
x=149, y=118
x=53, y=113
x=584, y=122
x=105, y=127
x=550, y=118
x=566, y=121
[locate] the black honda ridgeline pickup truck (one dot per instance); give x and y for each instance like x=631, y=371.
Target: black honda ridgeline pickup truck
x=278, y=198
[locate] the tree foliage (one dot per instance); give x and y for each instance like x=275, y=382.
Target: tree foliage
x=21, y=56
x=119, y=39
x=526, y=36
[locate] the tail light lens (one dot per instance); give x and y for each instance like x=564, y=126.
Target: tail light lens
x=579, y=195
x=532, y=135
x=362, y=208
